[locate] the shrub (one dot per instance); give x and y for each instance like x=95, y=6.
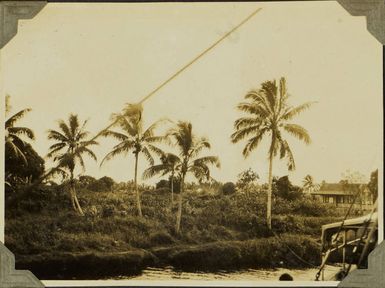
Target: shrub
x=161, y=238
x=162, y=184
x=228, y=188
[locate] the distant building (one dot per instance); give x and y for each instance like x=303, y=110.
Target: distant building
x=341, y=195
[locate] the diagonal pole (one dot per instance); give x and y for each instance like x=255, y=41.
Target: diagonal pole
x=173, y=76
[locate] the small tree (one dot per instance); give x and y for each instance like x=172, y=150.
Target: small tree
x=247, y=178
x=285, y=189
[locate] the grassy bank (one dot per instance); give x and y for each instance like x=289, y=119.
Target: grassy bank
x=218, y=232
x=259, y=253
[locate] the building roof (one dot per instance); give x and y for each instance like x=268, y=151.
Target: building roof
x=337, y=189
x=335, y=192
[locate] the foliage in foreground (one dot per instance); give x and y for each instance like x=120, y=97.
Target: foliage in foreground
x=39, y=220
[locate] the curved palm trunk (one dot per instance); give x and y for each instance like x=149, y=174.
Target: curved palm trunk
x=179, y=214
x=172, y=188
x=269, y=192
x=74, y=199
x=138, y=204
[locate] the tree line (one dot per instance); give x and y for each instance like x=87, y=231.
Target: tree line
x=268, y=115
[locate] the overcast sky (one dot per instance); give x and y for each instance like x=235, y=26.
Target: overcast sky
x=90, y=59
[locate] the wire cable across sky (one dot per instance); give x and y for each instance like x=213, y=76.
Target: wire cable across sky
x=172, y=77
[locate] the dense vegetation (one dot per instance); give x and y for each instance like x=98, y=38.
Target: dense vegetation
x=219, y=230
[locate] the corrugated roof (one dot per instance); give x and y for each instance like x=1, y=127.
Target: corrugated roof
x=346, y=193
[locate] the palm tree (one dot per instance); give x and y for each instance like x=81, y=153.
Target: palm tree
x=190, y=147
x=70, y=146
x=269, y=115
x=309, y=185
x=133, y=138
x=170, y=164
x=13, y=135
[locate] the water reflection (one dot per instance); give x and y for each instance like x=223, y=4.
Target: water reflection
x=168, y=273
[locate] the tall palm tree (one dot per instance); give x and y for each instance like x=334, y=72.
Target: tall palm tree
x=309, y=185
x=190, y=147
x=133, y=137
x=170, y=164
x=71, y=144
x=14, y=142
x=269, y=114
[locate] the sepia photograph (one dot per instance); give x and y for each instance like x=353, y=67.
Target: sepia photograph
x=192, y=142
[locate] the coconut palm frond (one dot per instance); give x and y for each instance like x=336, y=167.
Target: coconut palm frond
x=253, y=142
x=55, y=135
x=84, y=149
x=122, y=148
x=128, y=126
x=55, y=148
x=259, y=103
x=270, y=90
x=154, y=170
x=148, y=155
x=149, y=132
x=22, y=131
x=285, y=151
x=291, y=112
x=16, y=150
x=113, y=134
x=88, y=143
x=16, y=117
x=198, y=146
x=82, y=134
x=244, y=122
x=254, y=109
x=133, y=111
x=65, y=129
x=212, y=160
x=201, y=172
x=73, y=124
x=298, y=132
x=283, y=95
x=80, y=160
x=159, y=152
x=242, y=133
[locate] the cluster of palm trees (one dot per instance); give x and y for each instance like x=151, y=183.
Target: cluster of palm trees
x=127, y=129
x=268, y=114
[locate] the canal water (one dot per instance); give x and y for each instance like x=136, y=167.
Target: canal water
x=169, y=273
